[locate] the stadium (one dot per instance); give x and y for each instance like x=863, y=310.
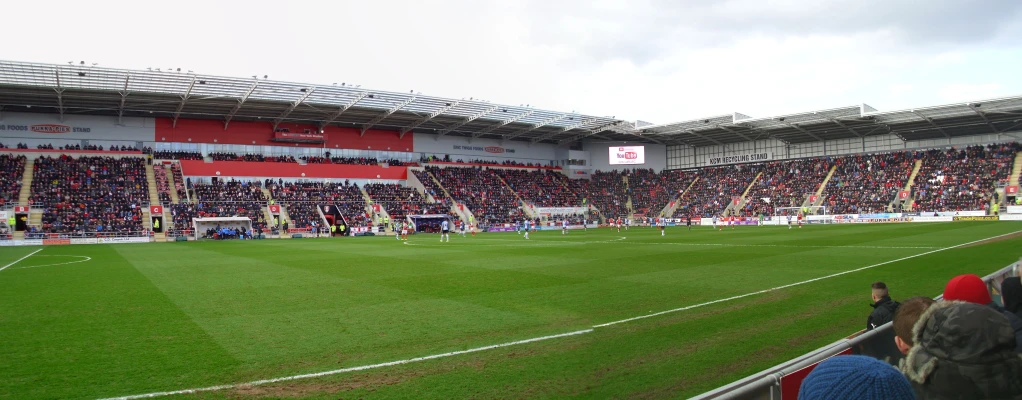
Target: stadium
x=172, y=234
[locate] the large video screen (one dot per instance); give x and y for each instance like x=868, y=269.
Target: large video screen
x=627, y=155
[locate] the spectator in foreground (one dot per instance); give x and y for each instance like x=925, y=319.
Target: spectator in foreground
x=963, y=351
x=972, y=289
x=883, y=307
x=855, y=377
x=1011, y=294
x=905, y=319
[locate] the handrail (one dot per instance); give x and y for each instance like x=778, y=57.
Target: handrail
x=766, y=384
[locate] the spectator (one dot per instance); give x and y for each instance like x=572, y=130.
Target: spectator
x=971, y=288
x=906, y=317
x=963, y=351
x=1011, y=295
x=854, y=377
x=883, y=307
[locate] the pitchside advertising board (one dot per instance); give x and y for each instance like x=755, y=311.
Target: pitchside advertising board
x=627, y=155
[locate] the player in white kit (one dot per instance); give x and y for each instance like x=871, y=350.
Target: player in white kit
x=564, y=227
x=527, y=223
x=445, y=231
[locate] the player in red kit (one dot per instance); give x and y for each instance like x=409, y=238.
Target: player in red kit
x=799, y=220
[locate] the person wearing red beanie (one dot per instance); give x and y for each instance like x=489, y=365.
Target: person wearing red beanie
x=971, y=288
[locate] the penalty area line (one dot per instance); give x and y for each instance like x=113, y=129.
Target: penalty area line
x=524, y=341
x=20, y=259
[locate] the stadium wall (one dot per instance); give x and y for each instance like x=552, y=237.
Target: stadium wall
x=687, y=157
x=290, y=170
x=599, y=158
x=261, y=133
x=489, y=149
x=36, y=129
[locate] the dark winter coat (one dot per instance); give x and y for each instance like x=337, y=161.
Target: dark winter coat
x=883, y=312
x=963, y=351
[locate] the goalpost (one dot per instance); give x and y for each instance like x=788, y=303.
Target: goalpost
x=817, y=214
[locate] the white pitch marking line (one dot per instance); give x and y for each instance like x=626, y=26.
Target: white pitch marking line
x=796, y=283
x=86, y=258
x=478, y=349
x=20, y=259
x=351, y=369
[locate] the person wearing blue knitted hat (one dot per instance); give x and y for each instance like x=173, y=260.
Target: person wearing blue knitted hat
x=855, y=377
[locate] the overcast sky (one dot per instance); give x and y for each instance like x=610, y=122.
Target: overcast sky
x=658, y=61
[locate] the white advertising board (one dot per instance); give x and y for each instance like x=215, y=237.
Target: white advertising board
x=627, y=155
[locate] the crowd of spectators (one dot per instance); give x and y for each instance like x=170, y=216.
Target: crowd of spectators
x=162, y=184
x=786, y=184
x=606, y=191
x=301, y=200
x=962, y=179
x=179, y=182
x=716, y=188
x=340, y=160
x=867, y=183
x=251, y=157
x=481, y=190
x=401, y=201
x=541, y=188
x=173, y=155
x=90, y=194
x=429, y=185
x=447, y=159
x=231, y=198
x=652, y=191
x=12, y=169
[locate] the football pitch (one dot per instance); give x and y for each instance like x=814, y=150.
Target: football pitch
x=592, y=314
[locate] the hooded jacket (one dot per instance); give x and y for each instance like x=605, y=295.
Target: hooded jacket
x=1011, y=293
x=963, y=351
x=973, y=289
x=883, y=312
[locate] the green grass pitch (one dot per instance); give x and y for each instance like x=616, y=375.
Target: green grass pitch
x=96, y=321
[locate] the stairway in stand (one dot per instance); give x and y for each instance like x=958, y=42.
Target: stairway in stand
x=908, y=203
x=172, y=187
x=150, y=177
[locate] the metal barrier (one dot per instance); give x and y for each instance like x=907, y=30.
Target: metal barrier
x=774, y=382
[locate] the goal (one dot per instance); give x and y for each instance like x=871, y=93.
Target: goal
x=812, y=214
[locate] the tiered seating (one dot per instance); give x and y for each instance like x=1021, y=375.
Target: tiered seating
x=401, y=201
x=90, y=195
x=509, y=163
x=607, y=192
x=352, y=205
x=867, y=183
x=162, y=185
x=541, y=188
x=958, y=180
x=301, y=200
x=341, y=160
x=231, y=199
x=251, y=157
x=490, y=200
x=652, y=191
x=11, y=170
x=785, y=184
x=430, y=185
x=715, y=189
x=179, y=182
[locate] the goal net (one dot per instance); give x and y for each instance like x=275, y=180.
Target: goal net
x=205, y=227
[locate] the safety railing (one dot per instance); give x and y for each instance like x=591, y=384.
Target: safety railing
x=782, y=381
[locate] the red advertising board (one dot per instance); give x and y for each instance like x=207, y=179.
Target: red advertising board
x=274, y=209
x=155, y=210
x=736, y=200
x=1011, y=190
x=791, y=382
x=299, y=137
x=56, y=241
x=903, y=194
x=20, y=209
x=812, y=199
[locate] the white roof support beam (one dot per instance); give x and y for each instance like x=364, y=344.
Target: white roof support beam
x=184, y=99
x=124, y=99
x=423, y=120
x=933, y=124
x=803, y=130
x=541, y=124
x=333, y=117
x=839, y=123
x=502, y=123
x=60, y=96
x=984, y=116
x=570, y=127
x=741, y=135
x=381, y=117
x=467, y=120
x=241, y=101
x=696, y=134
x=292, y=107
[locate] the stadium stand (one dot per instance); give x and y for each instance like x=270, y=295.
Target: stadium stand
x=541, y=188
x=231, y=199
x=652, y=191
x=401, y=201
x=251, y=157
x=786, y=184
x=716, y=187
x=90, y=195
x=608, y=193
x=867, y=183
x=173, y=155
x=962, y=179
x=481, y=190
x=11, y=169
x=162, y=184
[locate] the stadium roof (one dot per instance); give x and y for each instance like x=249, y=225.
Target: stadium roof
x=992, y=116
x=93, y=90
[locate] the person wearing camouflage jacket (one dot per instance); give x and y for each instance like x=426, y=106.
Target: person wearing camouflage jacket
x=963, y=351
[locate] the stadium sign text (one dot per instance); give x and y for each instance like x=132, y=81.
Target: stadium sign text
x=486, y=149
x=53, y=129
x=976, y=218
x=739, y=158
